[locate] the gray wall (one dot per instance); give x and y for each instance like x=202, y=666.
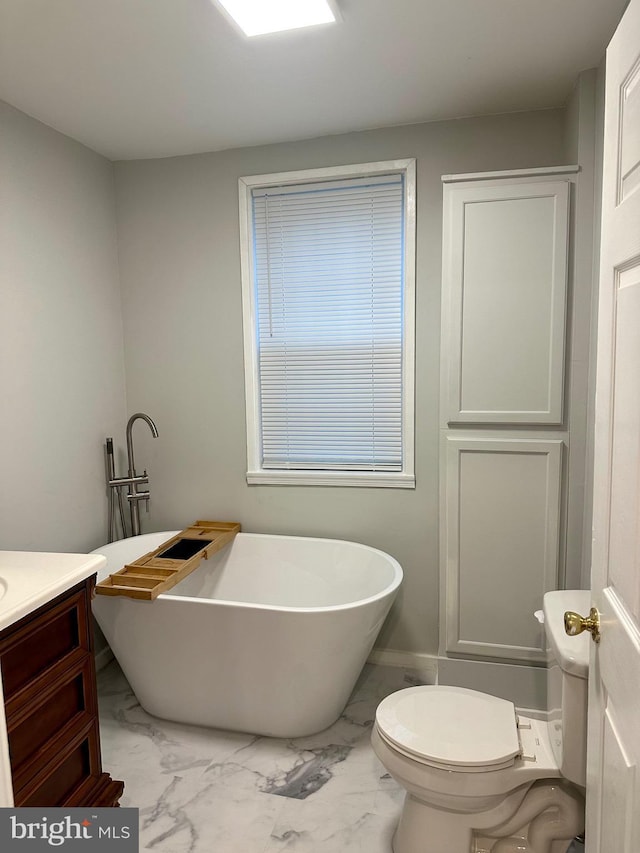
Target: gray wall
x=598, y=93
x=179, y=263
x=61, y=349
x=584, y=125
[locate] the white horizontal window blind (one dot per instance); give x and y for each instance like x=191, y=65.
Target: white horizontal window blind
x=328, y=262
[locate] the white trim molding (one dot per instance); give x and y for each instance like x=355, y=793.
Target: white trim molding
x=380, y=479
x=103, y=658
x=511, y=173
x=426, y=665
x=317, y=475
x=525, y=686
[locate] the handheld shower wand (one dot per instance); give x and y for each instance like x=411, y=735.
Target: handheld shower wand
x=114, y=496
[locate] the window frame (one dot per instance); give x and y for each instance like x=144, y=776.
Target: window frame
x=256, y=474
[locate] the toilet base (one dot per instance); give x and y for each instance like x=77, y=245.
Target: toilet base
x=425, y=829
x=553, y=813
x=541, y=818
x=432, y=832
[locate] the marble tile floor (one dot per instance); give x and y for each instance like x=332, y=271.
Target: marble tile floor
x=210, y=791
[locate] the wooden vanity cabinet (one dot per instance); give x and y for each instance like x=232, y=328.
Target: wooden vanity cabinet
x=51, y=707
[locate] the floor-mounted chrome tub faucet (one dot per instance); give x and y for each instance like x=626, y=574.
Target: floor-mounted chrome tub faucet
x=132, y=480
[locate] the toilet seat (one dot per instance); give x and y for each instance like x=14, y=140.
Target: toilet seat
x=450, y=728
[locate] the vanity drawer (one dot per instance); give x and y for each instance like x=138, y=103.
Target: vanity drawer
x=48, y=642
x=51, y=706
x=36, y=731
x=56, y=783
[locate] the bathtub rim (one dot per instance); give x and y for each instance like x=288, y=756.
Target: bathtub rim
x=390, y=589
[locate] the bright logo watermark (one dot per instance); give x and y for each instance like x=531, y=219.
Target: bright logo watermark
x=32, y=830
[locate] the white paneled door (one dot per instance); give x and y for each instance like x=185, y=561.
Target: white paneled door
x=613, y=783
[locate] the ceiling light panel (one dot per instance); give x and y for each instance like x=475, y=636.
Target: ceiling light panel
x=258, y=17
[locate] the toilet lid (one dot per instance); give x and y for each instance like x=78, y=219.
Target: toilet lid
x=450, y=726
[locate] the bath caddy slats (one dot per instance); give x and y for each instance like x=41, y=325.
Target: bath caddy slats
x=167, y=565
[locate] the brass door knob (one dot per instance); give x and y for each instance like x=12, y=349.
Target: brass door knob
x=575, y=624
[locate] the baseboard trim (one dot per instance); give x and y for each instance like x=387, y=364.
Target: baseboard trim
x=535, y=714
x=525, y=686
x=103, y=658
x=426, y=664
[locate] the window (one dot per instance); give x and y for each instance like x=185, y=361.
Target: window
x=328, y=303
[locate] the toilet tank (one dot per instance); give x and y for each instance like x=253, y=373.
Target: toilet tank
x=567, y=668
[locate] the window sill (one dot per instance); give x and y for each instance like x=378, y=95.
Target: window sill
x=366, y=479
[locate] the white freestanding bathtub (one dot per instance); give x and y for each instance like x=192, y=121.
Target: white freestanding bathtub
x=267, y=636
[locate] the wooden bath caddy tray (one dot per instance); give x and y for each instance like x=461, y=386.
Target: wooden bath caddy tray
x=176, y=558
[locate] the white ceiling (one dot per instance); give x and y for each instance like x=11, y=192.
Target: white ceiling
x=152, y=78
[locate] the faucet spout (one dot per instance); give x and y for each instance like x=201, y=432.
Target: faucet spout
x=133, y=497
x=130, y=423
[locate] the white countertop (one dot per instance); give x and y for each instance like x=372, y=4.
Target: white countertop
x=29, y=579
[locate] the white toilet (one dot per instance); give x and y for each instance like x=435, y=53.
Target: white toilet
x=480, y=777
